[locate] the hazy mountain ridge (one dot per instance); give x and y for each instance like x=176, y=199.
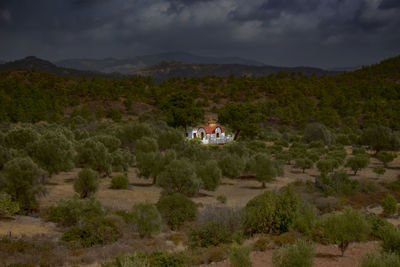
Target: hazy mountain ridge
x=165, y=70
x=34, y=63
x=109, y=65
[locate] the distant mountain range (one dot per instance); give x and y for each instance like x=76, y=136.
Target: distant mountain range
x=34, y=63
x=159, y=71
x=110, y=65
x=165, y=70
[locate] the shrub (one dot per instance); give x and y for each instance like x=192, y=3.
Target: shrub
x=300, y=254
x=239, y=256
x=381, y=260
x=210, y=174
x=222, y=199
x=390, y=236
x=379, y=170
x=136, y=259
x=7, y=206
x=92, y=232
x=271, y=212
x=22, y=179
x=317, y=132
x=261, y=244
x=306, y=219
x=176, y=209
x=53, y=152
x=266, y=168
x=87, y=183
x=389, y=204
x=359, y=151
x=215, y=226
x=120, y=182
x=385, y=157
x=337, y=183
x=345, y=227
x=145, y=218
x=231, y=165
x=165, y=259
x=179, y=177
x=71, y=211
x=358, y=162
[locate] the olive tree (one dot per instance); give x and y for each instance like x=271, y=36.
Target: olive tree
x=386, y=157
x=93, y=154
x=179, y=177
x=210, y=174
x=87, y=183
x=266, y=168
x=317, y=132
x=380, y=138
x=23, y=180
x=358, y=162
x=345, y=227
x=152, y=164
x=304, y=163
x=53, y=152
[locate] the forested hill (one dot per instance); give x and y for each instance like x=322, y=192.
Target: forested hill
x=367, y=96
x=34, y=63
x=166, y=70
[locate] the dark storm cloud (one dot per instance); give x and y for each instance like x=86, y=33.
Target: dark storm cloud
x=282, y=32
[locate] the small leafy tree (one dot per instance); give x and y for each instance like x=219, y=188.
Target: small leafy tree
x=7, y=206
x=380, y=138
x=389, y=204
x=231, y=165
x=146, y=145
x=112, y=143
x=385, y=157
x=210, y=174
x=266, y=168
x=93, y=154
x=120, y=182
x=176, y=209
x=53, y=152
x=358, y=162
x=87, y=183
x=317, y=132
x=345, y=227
x=304, y=163
x=299, y=254
x=145, y=218
x=179, y=177
x=326, y=165
x=23, y=180
x=20, y=137
x=379, y=170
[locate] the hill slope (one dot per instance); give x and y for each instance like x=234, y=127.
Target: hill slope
x=129, y=65
x=34, y=63
x=165, y=70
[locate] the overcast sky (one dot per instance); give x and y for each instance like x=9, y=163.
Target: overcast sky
x=321, y=33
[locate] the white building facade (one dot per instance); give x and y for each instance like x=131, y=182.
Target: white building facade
x=211, y=134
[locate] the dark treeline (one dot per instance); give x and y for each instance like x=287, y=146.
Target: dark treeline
x=362, y=98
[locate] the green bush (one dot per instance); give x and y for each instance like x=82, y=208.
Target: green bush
x=337, y=183
x=317, y=132
x=92, y=232
x=22, y=179
x=389, y=205
x=379, y=170
x=71, y=211
x=145, y=218
x=346, y=227
x=381, y=260
x=390, y=236
x=176, y=209
x=179, y=177
x=7, y=206
x=215, y=226
x=210, y=174
x=385, y=157
x=231, y=165
x=306, y=219
x=120, y=182
x=271, y=212
x=87, y=183
x=164, y=259
x=136, y=259
x=239, y=256
x=300, y=254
